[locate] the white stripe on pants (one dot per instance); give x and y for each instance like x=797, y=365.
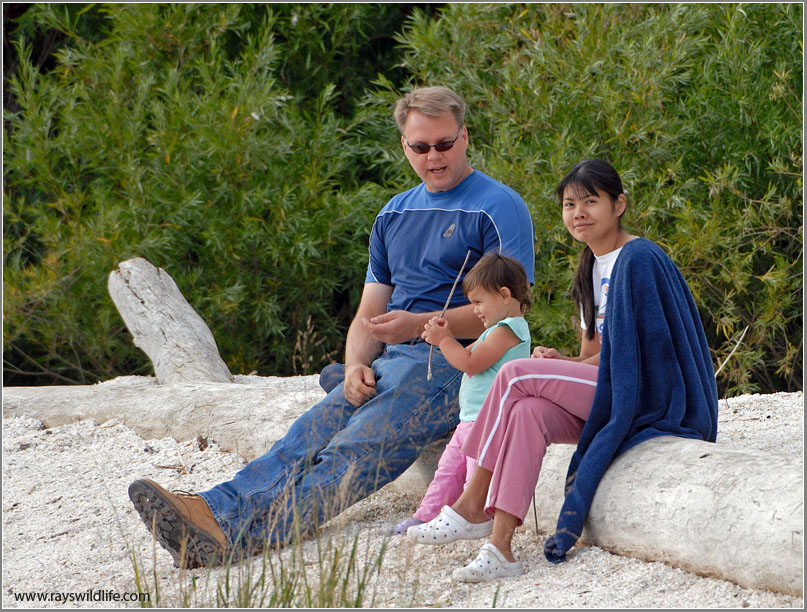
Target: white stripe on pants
x=532, y=403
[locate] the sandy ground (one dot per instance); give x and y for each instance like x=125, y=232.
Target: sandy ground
x=69, y=528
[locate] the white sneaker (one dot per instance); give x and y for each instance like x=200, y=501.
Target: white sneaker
x=446, y=527
x=488, y=565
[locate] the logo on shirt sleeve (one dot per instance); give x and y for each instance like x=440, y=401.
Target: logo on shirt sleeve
x=450, y=230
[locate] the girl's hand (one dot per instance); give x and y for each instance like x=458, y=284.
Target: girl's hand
x=543, y=352
x=436, y=330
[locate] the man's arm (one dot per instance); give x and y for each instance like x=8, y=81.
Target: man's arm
x=399, y=325
x=362, y=347
x=372, y=328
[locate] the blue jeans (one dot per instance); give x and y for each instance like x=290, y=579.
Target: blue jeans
x=336, y=454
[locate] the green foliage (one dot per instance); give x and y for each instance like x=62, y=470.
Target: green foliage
x=339, y=45
x=697, y=106
x=161, y=142
x=246, y=149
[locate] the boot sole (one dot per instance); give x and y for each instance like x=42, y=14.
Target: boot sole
x=190, y=546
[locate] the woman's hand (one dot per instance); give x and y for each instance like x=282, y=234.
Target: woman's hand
x=437, y=330
x=543, y=352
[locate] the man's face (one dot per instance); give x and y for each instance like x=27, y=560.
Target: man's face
x=440, y=171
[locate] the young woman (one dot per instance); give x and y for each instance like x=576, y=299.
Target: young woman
x=643, y=370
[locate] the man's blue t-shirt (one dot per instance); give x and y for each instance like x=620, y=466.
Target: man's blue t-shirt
x=419, y=239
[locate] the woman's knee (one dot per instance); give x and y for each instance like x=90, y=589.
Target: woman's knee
x=535, y=413
x=555, y=424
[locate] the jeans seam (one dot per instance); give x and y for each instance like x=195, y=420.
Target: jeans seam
x=249, y=497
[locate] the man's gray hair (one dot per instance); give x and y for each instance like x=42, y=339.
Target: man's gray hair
x=432, y=102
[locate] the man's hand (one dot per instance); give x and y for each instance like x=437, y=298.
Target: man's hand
x=359, y=384
x=394, y=327
x=543, y=352
x=436, y=331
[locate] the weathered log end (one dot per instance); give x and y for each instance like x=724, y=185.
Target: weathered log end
x=164, y=325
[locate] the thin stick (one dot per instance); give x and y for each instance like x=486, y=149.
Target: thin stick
x=736, y=346
x=534, y=512
x=442, y=314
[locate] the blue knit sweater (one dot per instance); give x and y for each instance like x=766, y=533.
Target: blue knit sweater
x=655, y=378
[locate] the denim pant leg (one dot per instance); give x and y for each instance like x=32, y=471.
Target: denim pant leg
x=331, y=376
x=379, y=442
x=301, y=478
x=254, y=489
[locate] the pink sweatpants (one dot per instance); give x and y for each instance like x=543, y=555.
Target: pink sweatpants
x=453, y=472
x=532, y=403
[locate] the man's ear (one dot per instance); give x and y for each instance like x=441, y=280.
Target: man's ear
x=403, y=144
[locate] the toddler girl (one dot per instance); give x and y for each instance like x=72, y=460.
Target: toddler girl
x=499, y=291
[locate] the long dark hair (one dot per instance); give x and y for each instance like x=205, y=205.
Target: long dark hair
x=590, y=176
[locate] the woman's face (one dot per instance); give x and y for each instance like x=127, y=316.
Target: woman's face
x=592, y=218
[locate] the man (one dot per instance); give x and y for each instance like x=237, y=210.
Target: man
x=372, y=425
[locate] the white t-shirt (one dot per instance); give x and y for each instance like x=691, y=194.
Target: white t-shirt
x=601, y=281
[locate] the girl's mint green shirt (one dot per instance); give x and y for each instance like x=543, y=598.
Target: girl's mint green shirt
x=474, y=389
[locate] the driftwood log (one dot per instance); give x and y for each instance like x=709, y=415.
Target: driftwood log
x=719, y=512
x=715, y=511
x=164, y=326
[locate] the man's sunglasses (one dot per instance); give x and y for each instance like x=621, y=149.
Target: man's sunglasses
x=421, y=148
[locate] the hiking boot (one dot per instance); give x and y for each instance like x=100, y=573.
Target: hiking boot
x=182, y=523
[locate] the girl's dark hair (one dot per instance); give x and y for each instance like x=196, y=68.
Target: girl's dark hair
x=589, y=176
x=494, y=271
